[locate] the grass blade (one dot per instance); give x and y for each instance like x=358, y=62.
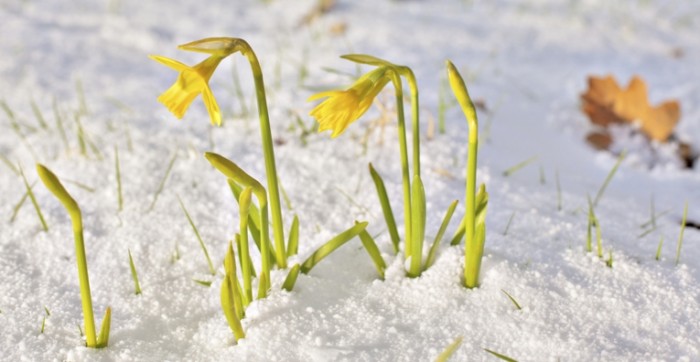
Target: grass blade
x=199, y=237
x=331, y=245
x=38, y=115
x=373, y=251
x=418, y=225
x=680, y=237
x=520, y=165
x=386, y=207
x=608, y=178
x=293, y=242
x=229, y=302
x=59, y=123
x=44, y=226
x=120, y=198
x=9, y=164
x=450, y=350
x=510, y=220
x=18, y=205
x=501, y=356
x=658, y=249
x=162, y=182
x=556, y=175
x=134, y=275
x=103, y=338
x=436, y=242
x=291, y=279
x=515, y=302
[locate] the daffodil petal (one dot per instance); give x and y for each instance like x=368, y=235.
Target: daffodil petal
x=170, y=63
x=323, y=95
x=212, y=106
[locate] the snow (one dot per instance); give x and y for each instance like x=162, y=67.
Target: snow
x=527, y=60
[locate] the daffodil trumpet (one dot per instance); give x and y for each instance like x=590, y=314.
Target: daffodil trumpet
x=193, y=80
x=475, y=203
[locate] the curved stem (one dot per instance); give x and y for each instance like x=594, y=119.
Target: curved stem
x=396, y=79
x=269, y=155
x=415, y=124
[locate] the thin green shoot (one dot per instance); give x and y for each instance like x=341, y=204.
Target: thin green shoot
x=103, y=337
x=44, y=226
x=591, y=222
x=59, y=123
x=80, y=331
x=609, y=177
x=134, y=275
x=81, y=97
x=680, y=237
x=658, y=249
x=510, y=220
x=543, y=180
x=371, y=246
x=349, y=197
x=646, y=232
x=9, y=164
x=54, y=185
x=331, y=246
x=291, y=279
x=206, y=283
x=652, y=222
x=47, y=311
x=449, y=350
x=432, y=254
x=39, y=116
x=80, y=185
x=81, y=135
x=512, y=300
x=418, y=214
x=244, y=203
x=16, y=127
x=609, y=262
x=43, y=325
x=285, y=197
x=386, y=208
x=238, y=90
x=556, y=175
x=161, y=185
x=501, y=356
x=212, y=271
x=598, y=238
x=120, y=198
x=18, y=205
x=175, y=256
x=517, y=167
x=293, y=241
x=231, y=299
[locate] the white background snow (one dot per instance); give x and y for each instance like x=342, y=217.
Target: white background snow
x=527, y=60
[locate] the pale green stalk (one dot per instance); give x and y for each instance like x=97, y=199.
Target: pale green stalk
x=472, y=262
x=445, y=355
x=609, y=177
x=162, y=182
x=54, y=185
x=418, y=224
x=658, y=249
x=512, y=300
x=436, y=242
x=199, y=237
x=386, y=207
x=244, y=206
x=517, y=167
x=134, y=275
x=269, y=155
x=680, y=237
x=44, y=226
x=120, y=198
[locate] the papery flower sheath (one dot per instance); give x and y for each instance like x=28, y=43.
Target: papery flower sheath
x=189, y=84
x=344, y=107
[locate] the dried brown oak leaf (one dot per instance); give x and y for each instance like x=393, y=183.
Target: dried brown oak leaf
x=605, y=102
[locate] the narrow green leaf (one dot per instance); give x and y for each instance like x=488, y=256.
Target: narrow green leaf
x=293, y=242
x=134, y=275
x=512, y=300
x=199, y=237
x=373, y=251
x=291, y=279
x=501, y=356
x=510, y=220
x=367, y=59
x=38, y=115
x=228, y=301
x=609, y=177
x=206, y=283
x=436, y=242
x=418, y=226
x=161, y=185
x=103, y=338
x=331, y=245
x=9, y=164
x=120, y=198
x=519, y=166
x=680, y=237
x=386, y=207
x=44, y=226
x=43, y=325
x=658, y=249
x=556, y=174
x=59, y=123
x=18, y=205
x=449, y=350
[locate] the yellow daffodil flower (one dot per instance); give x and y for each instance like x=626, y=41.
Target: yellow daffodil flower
x=344, y=107
x=189, y=84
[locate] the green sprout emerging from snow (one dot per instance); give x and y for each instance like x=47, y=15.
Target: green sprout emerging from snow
x=54, y=185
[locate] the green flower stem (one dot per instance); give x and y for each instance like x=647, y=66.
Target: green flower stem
x=413, y=87
x=54, y=185
x=244, y=202
x=269, y=155
x=396, y=79
x=472, y=258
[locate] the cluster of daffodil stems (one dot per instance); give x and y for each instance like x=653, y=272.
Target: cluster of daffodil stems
x=192, y=81
x=343, y=107
x=54, y=185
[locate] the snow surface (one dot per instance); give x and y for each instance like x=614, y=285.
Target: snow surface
x=527, y=60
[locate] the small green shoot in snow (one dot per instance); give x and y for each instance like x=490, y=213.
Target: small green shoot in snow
x=512, y=300
x=449, y=350
x=199, y=237
x=680, y=237
x=519, y=166
x=134, y=275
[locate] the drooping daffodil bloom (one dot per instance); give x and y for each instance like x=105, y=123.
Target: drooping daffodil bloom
x=194, y=80
x=342, y=107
